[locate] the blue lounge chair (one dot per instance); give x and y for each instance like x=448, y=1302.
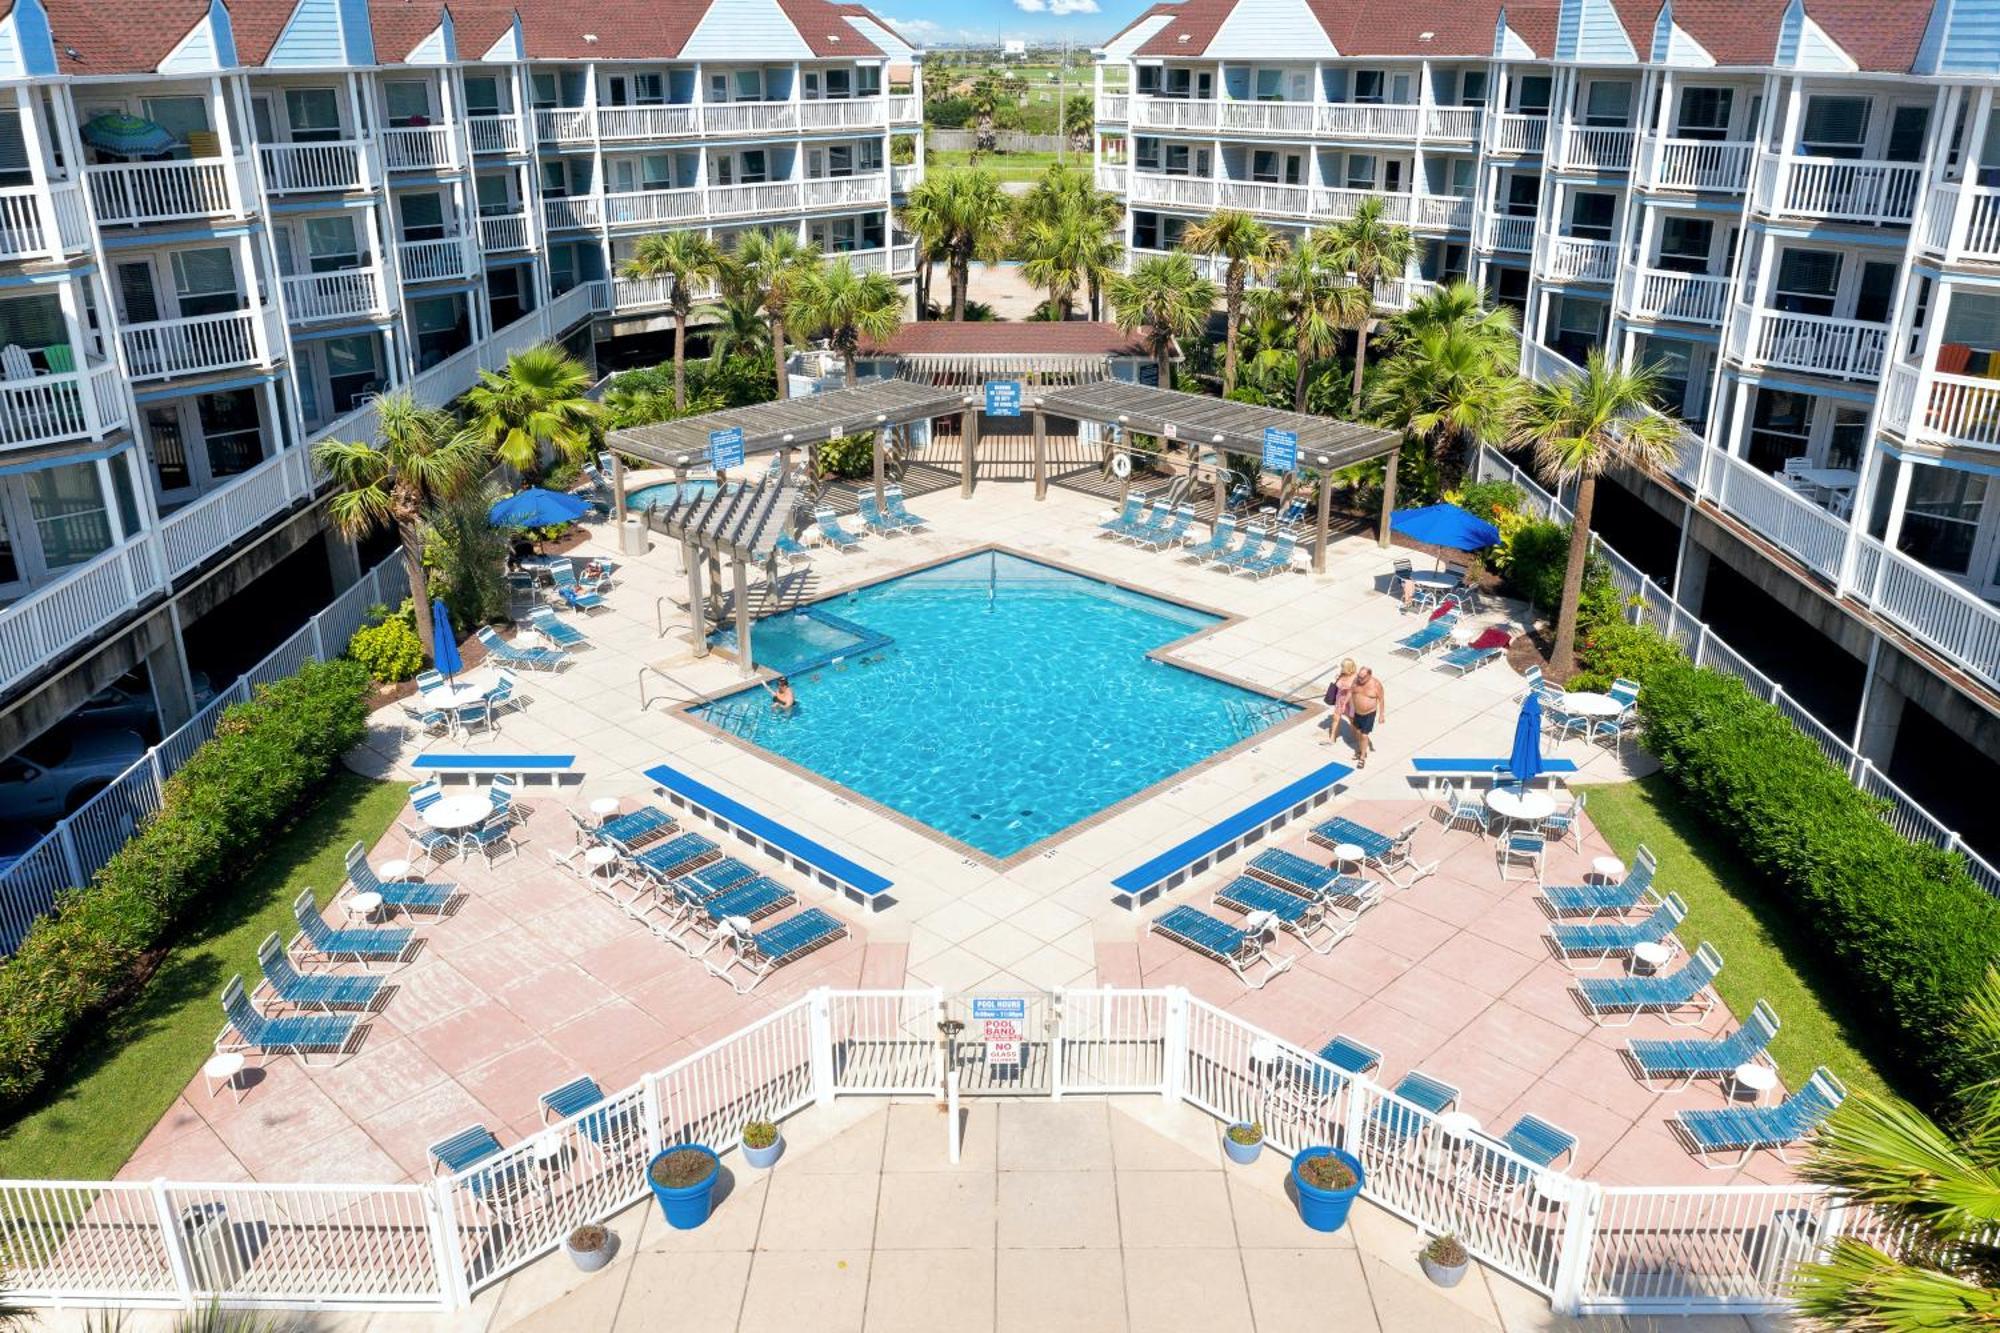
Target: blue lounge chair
x=1173, y=534
x=900, y=512
x=874, y=519
x=1601, y=940
x=1128, y=516
x=1236, y=949
x=1350, y=1056
x=1744, y=1129
x=762, y=952
x=575, y=595
x=505, y=1186
x=1462, y=660
x=1158, y=519
x=788, y=546
x=832, y=533
x=1218, y=542
x=1632, y=892
x=303, y=1035
x=677, y=856
x=1293, y=873
x=1277, y=560
x=467, y=1148
x=320, y=990
x=1533, y=1145
x=643, y=826
x=718, y=876
x=1389, y=857
x=752, y=899
x=1300, y=915
x=609, y=1128
x=1420, y=1098
x=1686, y=992
x=411, y=895
x=1306, y=1086
x=358, y=945
x=1687, y=1060
x=556, y=630
x=1247, y=556
x=535, y=659
x=1429, y=637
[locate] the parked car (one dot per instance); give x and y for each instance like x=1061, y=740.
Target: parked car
x=59, y=771
x=128, y=702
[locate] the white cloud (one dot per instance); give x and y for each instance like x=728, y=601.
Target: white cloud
x=929, y=30
x=1031, y=6
x=1061, y=7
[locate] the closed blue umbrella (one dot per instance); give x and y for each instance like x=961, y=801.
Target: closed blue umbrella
x=1445, y=525
x=1526, y=761
x=536, y=508
x=126, y=135
x=444, y=643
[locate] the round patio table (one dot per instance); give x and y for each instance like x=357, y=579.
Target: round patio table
x=1649, y=956
x=1348, y=854
x=456, y=696
x=1589, y=703
x=1519, y=806
x=1753, y=1078
x=1608, y=869
x=1435, y=578
x=453, y=813
x=604, y=807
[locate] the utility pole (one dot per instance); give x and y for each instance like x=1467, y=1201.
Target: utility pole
x=1062, y=107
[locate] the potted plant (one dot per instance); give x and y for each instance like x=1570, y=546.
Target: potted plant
x=1445, y=1261
x=762, y=1144
x=683, y=1180
x=1243, y=1141
x=590, y=1247
x=1327, y=1180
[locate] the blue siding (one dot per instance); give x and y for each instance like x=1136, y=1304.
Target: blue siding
x=1964, y=38
x=311, y=36
x=360, y=37
x=225, y=34
x=1589, y=31
x=31, y=33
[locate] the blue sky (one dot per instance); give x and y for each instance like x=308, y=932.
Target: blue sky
x=933, y=22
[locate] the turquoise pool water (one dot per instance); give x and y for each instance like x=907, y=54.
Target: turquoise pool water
x=1011, y=701
x=665, y=493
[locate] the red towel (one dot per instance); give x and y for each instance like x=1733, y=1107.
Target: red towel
x=1492, y=637
x=1444, y=608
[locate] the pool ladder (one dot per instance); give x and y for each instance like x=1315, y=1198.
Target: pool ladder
x=740, y=719
x=1248, y=718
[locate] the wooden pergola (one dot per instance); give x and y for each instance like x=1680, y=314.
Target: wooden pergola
x=742, y=522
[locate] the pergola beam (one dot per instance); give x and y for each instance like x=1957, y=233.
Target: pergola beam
x=790, y=422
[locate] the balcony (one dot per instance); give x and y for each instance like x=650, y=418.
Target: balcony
x=737, y=200
x=860, y=113
x=200, y=528
x=1692, y=298
x=1294, y=119
x=434, y=261
x=1173, y=191
x=495, y=134
x=340, y=294
x=1977, y=237
x=1580, y=259
x=1513, y=135
x=1955, y=409
x=141, y=192
x=570, y=125
x=1425, y=212
x=567, y=213
x=650, y=207
x=1262, y=197
x=1399, y=293
x=615, y=123
x=419, y=148
x=43, y=224
x=1172, y=113
x=77, y=604
x=196, y=346
x=903, y=109
x=1585, y=148
x=1817, y=344
x=1113, y=108
x=307, y=168
x=1460, y=123
x=1353, y=120
x=1508, y=234
x=1696, y=164
x=906, y=177
x=749, y=117
x=1111, y=178
x=847, y=191
x=48, y=409
x=504, y=231
x=1839, y=190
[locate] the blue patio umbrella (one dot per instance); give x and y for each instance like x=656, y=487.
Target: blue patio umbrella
x=1526, y=761
x=536, y=508
x=126, y=135
x=444, y=643
x=1445, y=525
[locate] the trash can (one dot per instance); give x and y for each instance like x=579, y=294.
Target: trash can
x=1790, y=1239
x=632, y=541
x=211, y=1247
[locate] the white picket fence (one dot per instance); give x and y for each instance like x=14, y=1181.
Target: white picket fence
x=78, y=846
x=1591, y=1249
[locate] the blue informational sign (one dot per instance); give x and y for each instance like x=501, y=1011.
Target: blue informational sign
x=1003, y=398
x=999, y=1008
x=1281, y=450
x=725, y=448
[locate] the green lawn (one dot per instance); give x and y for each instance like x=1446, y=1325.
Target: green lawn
x=1764, y=955
x=1009, y=166
x=117, y=1086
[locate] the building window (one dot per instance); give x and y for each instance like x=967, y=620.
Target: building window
x=1608, y=105
x=352, y=372
x=1941, y=519
x=1360, y=171
x=1368, y=85
x=1533, y=95
x=441, y=327
x=1684, y=244
x=184, y=118
x=1576, y=327
x=71, y=519
x=1671, y=362
x=1472, y=89
x=1780, y=428
x=1807, y=282
x=10, y=567
x=423, y=216
x=1705, y=113
x=1591, y=215
x=495, y=196
x=1834, y=127
x=205, y=283
x=331, y=246
x=313, y=114
x=230, y=431
x=409, y=103
x=482, y=95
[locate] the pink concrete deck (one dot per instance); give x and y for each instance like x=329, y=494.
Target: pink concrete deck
x=1454, y=976
x=534, y=980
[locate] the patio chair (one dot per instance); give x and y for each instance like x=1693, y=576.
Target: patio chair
x=1662, y=1059
x=1598, y=941
x=1238, y=950
x=639, y=828
x=410, y=895
x=1247, y=556
x=432, y=722
x=574, y=594
x=678, y=855
x=1419, y=1099
x=1380, y=852
x=753, y=899
x=506, y=695
x=1455, y=808
x=1277, y=560
x=425, y=794
x=1128, y=515
x=1306, y=918
x=1350, y=1056
x=429, y=680
x=244, y=1030
x=1744, y=1129
x=492, y=838
x=1629, y=894
x=1557, y=717
x=1218, y=542
x=895, y=508
x=1522, y=849
x=874, y=519
x=430, y=844
x=1173, y=534
x=475, y=716
x=1305, y=1087
x=1684, y=996
x=1352, y=895
x=507, y=654
x=831, y=533
x=612, y=1127
x=505, y=1187
x=1566, y=824
x=1467, y=659
x=1399, y=577
x=1430, y=636
x=559, y=632
x=356, y=944
x=762, y=952
x=1158, y=516
x=1512, y=1160
x=1531, y=681
x=502, y=796
x=717, y=876
x=320, y=991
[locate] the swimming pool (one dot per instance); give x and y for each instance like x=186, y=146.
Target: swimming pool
x=1010, y=701
x=663, y=493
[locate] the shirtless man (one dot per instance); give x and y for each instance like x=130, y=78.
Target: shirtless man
x=782, y=698
x=1371, y=705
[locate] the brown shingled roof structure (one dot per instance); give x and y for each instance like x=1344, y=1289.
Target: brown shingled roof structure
x=398, y=26
x=934, y=337
x=111, y=38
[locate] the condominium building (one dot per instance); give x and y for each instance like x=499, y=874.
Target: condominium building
x=1790, y=208
x=225, y=225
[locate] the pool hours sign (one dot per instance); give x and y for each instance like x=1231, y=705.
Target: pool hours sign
x=1000, y=1020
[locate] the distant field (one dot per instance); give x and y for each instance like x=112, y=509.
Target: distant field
x=1007, y=166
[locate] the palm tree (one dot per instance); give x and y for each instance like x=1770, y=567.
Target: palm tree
x=1578, y=425
x=1460, y=305
x=1068, y=197
x=689, y=260
x=1446, y=387
x=740, y=329
x=764, y=269
x=1079, y=120
x=845, y=306
x=1936, y=1192
x=1053, y=255
x=1368, y=245
x=1251, y=249
x=420, y=458
x=537, y=402
x=924, y=216
x=1315, y=300
x=974, y=216
x=1166, y=298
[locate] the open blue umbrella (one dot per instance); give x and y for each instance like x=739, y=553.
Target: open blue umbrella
x=1526, y=761
x=536, y=508
x=126, y=135
x=1445, y=525
x=444, y=643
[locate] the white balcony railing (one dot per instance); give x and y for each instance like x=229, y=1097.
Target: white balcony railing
x=646, y=122
x=1172, y=113
x=565, y=125
x=1111, y=178
x=1289, y=118
x=629, y=294
x=495, y=134
x=1513, y=135
x=1697, y=298
x=1508, y=234
x=844, y=114
x=1355, y=120
x=1588, y=148
x=432, y=261
x=749, y=117
x=572, y=211
x=298, y=168
x=37, y=222
x=1820, y=344
x=1977, y=237
x=1580, y=259
x=136, y=192
x=339, y=294
x=82, y=600
x=192, y=346
x=903, y=109
x=1398, y=293
x=1113, y=108
x=847, y=191
x=504, y=231
x=419, y=148
x=197, y=530
x=50, y=408
x=1259, y=197
x=1958, y=409
x=735, y=200
x=649, y=207
x=1840, y=190
x=1451, y=122
x=1698, y=164
x=1437, y=212
x=903, y=178
x=1178, y=191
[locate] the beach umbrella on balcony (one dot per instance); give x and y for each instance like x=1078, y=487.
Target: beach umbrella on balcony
x=126, y=135
x=1526, y=760
x=1445, y=525
x=535, y=507
x=444, y=643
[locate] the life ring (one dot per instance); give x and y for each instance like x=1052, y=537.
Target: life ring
x=1121, y=466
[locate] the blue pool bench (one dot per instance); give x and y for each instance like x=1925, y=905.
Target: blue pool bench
x=820, y=863
x=1217, y=843
x=526, y=769
x=1435, y=770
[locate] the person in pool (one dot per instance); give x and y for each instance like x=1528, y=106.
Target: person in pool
x=782, y=698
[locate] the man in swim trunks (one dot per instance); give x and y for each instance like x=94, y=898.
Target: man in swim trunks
x=1371, y=705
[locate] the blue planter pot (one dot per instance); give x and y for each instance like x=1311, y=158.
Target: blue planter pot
x=765, y=1158
x=685, y=1206
x=1325, y=1210
x=1241, y=1153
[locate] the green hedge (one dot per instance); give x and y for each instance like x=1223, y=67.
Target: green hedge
x=1905, y=924
x=265, y=758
